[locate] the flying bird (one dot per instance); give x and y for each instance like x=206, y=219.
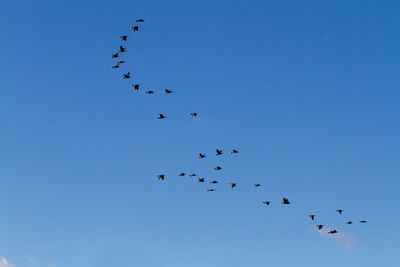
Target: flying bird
x=219, y=152
x=266, y=203
x=333, y=232
x=161, y=177
x=139, y=20
x=363, y=221
x=193, y=114
x=120, y=62
x=136, y=86
x=161, y=116
x=214, y=182
x=150, y=92
x=349, y=222
x=340, y=211
x=192, y=175
x=320, y=226
x=123, y=37
x=210, y=190
x=201, y=180
x=312, y=216
x=168, y=91
x=285, y=201
x=182, y=174
x=115, y=66
x=135, y=28
x=202, y=156
x=257, y=185
x=122, y=49
x=218, y=168
x=115, y=55
x=234, y=151
x=127, y=76
x=233, y=185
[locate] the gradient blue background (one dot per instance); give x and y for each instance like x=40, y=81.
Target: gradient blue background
x=308, y=91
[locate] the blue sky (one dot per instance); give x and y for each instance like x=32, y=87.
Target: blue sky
x=307, y=91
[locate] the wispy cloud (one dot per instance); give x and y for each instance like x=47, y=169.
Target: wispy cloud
x=348, y=240
x=4, y=263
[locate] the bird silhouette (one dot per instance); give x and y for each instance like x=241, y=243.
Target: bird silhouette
x=161, y=177
x=201, y=180
x=161, y=116
x=122, y=49
x=234, y=151
x=340, y=211
x=210, y=190
x=136, y=86
x=266, y=202
x=192, y=175
x=349, y=222
x=214, y=182
x=120, y=62
x=219, y=152
x=139, y=20
x=127, y=76
x=363, y=221
x=193, y=114
x=320, y=226
x=123, y=37
x=333, y=232
x=218, y=168
x=312, y=216
x=150, y=92
x=115, y=55
x=168, y=91
x=233, y=185
x=135, y=28
x=285, y=201
x=182, y=174
x=202, y=156
x=257, y=185
x=115, y=66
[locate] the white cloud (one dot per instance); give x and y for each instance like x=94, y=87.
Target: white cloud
x=4, y=263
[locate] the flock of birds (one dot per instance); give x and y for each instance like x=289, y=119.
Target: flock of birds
x=219, y=152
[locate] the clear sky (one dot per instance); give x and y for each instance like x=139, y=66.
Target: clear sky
x=307, y=91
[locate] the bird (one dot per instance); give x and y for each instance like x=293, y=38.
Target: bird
x=161, y=177
x=349, y=222
x=234, y=151
x=123, y=37
x=285, y=201
x=363, y=221
x=320, y=226
x=127, y=76
x=210, y=190
x=135, y=28
x=192, y=175
x=312, y=216
x=214, y=182
x=120, y=62
x=219, y=152
x=150, y=92
x=136, y=86
x=257, y=185
x=340, y=211
x=201, y=180
x=218, y=168
x=168, y=91
x=115, y=55
x=333, y=232
x=202, y=156
x=233, y=185
x=115, y=66
x=122, y=49
x=266, y=203
x=161, y=116
x=182, y=174
x=193, y=114
x=139, y=20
